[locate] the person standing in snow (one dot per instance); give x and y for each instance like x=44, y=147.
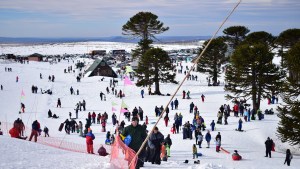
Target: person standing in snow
x=138, y=135
x=58, y=103
x=46, y=131
x=208, y=138
x=288, y=157
x=172, y=104
x=154, y=142
x=240, y=125
x=89, y=137
x=268, y=144
x=34, y=132
x=212, y=124
x=142, y=93
x=23, y=107
x=200, y=139
x=202, y=97
x=168, y=143
x=176, y=103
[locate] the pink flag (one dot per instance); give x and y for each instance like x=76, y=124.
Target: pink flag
x=127, y=81
x=123, y=110
x=113, y=109
x=22, y=94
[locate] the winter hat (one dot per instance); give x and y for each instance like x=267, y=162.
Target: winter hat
x=135, y=119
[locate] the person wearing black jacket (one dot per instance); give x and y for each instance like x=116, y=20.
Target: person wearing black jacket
x=268, y=144
x=154, y=142
x=288, y=157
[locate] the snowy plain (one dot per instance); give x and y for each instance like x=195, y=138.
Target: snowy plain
x=24, y=154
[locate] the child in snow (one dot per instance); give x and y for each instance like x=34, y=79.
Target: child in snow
x=195, y=151
x=89, y=142
x=46, y=131
x=218, y=144
x=200, y=139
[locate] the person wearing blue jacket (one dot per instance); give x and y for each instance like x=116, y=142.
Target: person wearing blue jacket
x=89, y=141
x=240, y=125
x=208, y=138
x=212, y=124
x=176, y=103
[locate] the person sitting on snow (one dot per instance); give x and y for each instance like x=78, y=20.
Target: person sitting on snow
x=236, y=156
x=14, y=133
x=102, y=151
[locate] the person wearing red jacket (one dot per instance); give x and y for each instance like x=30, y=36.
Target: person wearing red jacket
x=94, y=117
x=14, y=133
x=89, y=137
x=236, y=110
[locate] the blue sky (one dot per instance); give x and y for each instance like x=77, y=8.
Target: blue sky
x=101, y=18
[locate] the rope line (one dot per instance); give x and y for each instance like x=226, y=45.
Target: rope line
x=196, y=61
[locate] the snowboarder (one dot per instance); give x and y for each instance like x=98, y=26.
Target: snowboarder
x=142, y=93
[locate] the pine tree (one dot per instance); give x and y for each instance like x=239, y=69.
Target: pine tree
x=289, y=113
x=251, y=73
x=213, y=58
x=158, y=67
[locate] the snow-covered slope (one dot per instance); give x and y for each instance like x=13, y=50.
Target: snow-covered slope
x=24, y=154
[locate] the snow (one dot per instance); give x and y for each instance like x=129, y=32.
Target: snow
x=80, y=47
x=25, y=154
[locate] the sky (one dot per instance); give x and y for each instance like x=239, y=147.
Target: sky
x=102, y=18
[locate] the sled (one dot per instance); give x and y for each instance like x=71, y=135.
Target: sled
x=225, y=151
x=61, y=126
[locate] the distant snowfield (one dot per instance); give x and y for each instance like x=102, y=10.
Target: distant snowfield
x=80, y=47
x=25, y=154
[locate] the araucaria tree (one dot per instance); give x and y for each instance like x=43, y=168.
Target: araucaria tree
x=234, y=35
x=212, y=59
x=289, y=112
x=159, y=68
x=251, y=73
x=143, y=25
